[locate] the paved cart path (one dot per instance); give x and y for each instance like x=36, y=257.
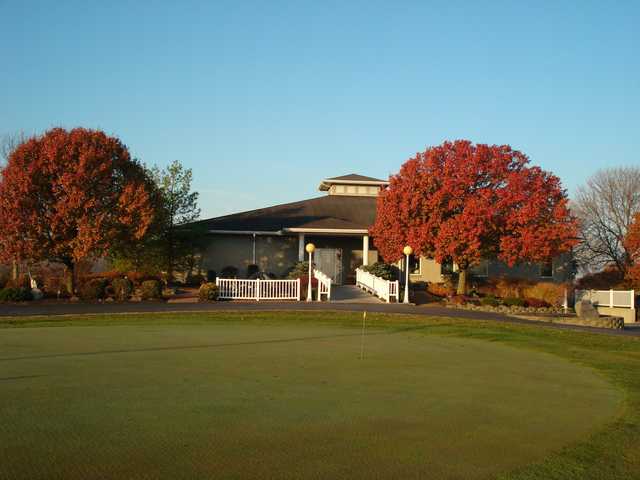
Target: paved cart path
x=352, y=294
x=48, y=309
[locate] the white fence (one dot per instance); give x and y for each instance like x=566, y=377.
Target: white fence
x=381, y=288
x=324, y=284
x=240, y=289
x=609, y=298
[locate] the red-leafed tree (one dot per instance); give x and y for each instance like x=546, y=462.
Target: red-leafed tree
x=70, y=195
x=465, y=202
x=632, y=245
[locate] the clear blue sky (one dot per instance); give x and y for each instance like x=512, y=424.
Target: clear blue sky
x=263, y=99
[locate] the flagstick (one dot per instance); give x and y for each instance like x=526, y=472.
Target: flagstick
x=364, y=320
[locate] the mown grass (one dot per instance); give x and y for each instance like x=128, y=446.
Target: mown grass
x=607, y=451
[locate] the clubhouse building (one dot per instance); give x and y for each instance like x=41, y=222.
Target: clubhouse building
x=337, y=223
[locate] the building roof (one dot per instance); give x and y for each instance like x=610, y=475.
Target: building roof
x=330, y=212
x=355, y=178
x=350, y=179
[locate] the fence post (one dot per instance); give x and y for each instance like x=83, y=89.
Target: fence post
x=299, y=292
x=633, y=299
x=611, y=298
x=257, y=289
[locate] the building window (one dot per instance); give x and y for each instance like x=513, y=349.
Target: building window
x=546, y=269
x=480, y=270
x=414, y=265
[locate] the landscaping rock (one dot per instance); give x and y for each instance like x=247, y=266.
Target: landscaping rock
x=586, y=310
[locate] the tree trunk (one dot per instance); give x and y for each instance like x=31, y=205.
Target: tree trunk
x=462, y=282
x=70, y=277
x=14, y=271
x=170, y=255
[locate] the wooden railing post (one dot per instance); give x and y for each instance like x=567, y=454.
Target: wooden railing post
x=611, y=298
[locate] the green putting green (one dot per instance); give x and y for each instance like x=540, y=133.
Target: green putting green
x=260, y=398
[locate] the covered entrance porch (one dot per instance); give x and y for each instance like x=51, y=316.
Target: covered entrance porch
x=338, y=253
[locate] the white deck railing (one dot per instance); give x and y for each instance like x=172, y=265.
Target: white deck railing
x=241, y=289
x=381, y=288
x=609, y=298
x=324, y=284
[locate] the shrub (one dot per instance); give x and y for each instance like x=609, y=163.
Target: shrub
x=607, y=279
x=10, y=294
x=490, y=301
x=211, y=276
x=441, y=289
x=137, y=277
x=229, y=272
x=299, y=270
x=485, y=287
x=252, y=270
x=122, y=289
x=208, y=292
x=109, y=275
x=463, y=299
x=151, y=289
x=194, y=280
x=510, y=287
x=95, y=289
x=55, y=287
x=551, y=293
x=535, y=303
x=304, y=280
x=382, y=270
x=23, y=281
x=4, y=278
x=513, y=302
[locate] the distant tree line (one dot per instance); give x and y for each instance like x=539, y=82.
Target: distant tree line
x=69, y=195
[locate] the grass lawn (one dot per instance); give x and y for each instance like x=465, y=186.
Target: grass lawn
x=286, y=395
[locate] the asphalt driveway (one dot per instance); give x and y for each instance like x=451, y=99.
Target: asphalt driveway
x=53, y=308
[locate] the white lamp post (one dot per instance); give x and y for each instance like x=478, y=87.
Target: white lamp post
x=309, y=248
x=407, y=251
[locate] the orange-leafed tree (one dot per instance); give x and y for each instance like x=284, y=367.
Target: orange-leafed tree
x=465, y=202
x=632, y=245
x=70, y=195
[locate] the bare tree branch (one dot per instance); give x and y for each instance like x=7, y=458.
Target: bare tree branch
x=606, y=205
x=8, y=143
